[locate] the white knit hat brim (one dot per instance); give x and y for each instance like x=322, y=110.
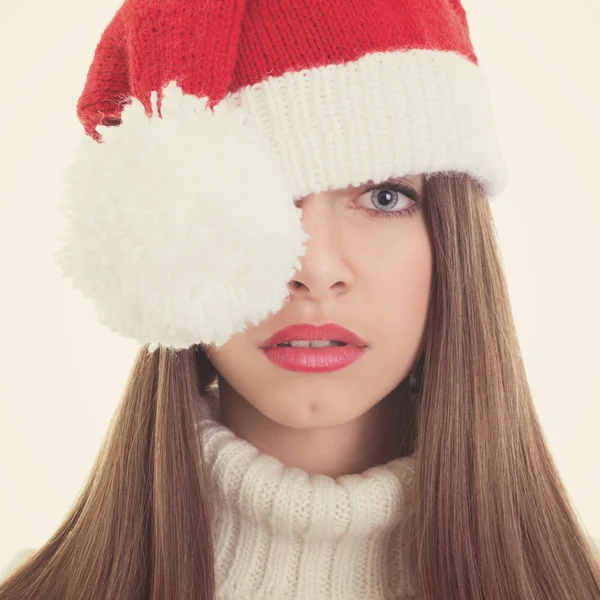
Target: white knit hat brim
x=387, y=114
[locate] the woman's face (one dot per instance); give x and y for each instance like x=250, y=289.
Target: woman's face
x=368, y=268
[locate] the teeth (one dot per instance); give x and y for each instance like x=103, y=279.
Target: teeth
x=312, y=343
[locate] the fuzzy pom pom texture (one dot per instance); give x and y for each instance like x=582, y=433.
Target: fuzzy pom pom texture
x=175, y=223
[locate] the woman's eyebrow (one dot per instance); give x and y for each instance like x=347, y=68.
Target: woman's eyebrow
x=405, y=178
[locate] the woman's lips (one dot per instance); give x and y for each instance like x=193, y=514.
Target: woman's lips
x=314, y=360
x=309, y=332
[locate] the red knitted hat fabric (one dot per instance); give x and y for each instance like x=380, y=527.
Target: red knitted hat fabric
x=212, y=48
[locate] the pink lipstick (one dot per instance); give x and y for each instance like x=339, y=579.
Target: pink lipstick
x=314, y=348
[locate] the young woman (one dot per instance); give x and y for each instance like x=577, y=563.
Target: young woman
x=287, y=205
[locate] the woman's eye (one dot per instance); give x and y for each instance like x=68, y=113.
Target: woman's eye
x=383, y=199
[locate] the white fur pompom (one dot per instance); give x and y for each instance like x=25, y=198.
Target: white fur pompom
x=181, y=229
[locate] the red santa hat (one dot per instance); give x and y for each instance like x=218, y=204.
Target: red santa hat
x=207, y=119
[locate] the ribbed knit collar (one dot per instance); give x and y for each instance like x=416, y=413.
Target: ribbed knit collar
x=283, y=533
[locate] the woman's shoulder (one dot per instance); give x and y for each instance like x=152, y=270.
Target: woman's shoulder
x=18, y=559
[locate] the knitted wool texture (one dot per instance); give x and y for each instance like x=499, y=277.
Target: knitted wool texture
x=282, y=533
x=312, y=76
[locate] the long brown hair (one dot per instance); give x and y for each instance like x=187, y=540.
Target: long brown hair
x=492, y=516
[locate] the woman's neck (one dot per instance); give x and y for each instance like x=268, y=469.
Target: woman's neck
x=352, y=447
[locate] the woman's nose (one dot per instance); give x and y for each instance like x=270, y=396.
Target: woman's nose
x=325, y=266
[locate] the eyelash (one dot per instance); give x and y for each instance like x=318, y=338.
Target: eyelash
x=405, y=190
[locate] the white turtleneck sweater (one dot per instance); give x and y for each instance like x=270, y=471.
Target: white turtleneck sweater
x=283, y=533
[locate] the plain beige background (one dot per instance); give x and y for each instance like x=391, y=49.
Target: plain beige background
x=63, y=374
